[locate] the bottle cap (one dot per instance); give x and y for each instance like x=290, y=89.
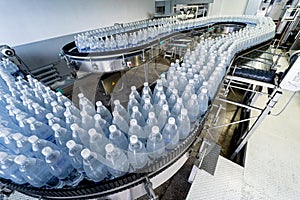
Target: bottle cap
x=133, y=122
x=117, y=102
x=17, y=136
x=146, y=84
x=70, y=144
x=151, y=114
x=155, y=129
x=171, y=120
x=49, y=116
x=204, y=90
x=205, y=83
x=147, y=100
x=133, y=88
x=133, y=139
x=83, y=113
x=92, y=132
x=112, y=128
x=85, y=153
x=67, y=104
x=163, y=97
x=80, y=95
x=55, y=127
x=58, y=94
x=159, y=82
x=53, y=103
x=194, y=97
x=135, y=109
x=165, y=107
x=99, y=103
x=97, y=117
x=175, y=91
x=20, y=159
x=30, y=120
x=184, y=111
x=67, y=114
x=46, y=151
x=109, y=148
x=33, y=139
x=35, y=105
x=115, y=113
x=131, y=96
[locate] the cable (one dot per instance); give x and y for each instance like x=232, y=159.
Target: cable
x=285, y=105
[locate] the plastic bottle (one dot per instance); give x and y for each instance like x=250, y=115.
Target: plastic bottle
x=121, y=110
x=61, y=99
x=135, y=93
x=186, y=95
x=97, y=142
x=89, y=109
x=23, y=145
x=203, y=101
x=170, y=134
x=38, y=144
x=132, y=102
x=54, y=120
x=39, y=129
x=8, y=168
x=82, y=134
x=158, y=107
x=87, y=121
x=136, y=114
x=101, y=125
x=135, y=129
x=72, y=109
x=62, y=136
x=177, y=108
x=193, y=108
x=147, y=107
x=159, y=92
x=118, y=138
x=71, y=119
x=93, y=168
x=173, y=99
x=60, y=166
x=104, y=112
x=75, y=155
x=183, y=124
x=146, y=88
x=120, y=122
x=83, y=98
x=158, y=85
x=155, y=143
x=57, y=110
x=47, y=101
x=34, y=171
x=137, y=155
x=151, y=121
x=118, y=161
x=40, y=112
x=163, y=116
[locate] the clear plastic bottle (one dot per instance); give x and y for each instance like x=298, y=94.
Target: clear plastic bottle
x=40, y=112
x=158, y=107
x=38, y=144
x=203, y=101
x=131, y=103
x=97, y=142
x=173, y=99
x=72, y=109
x=151, y=121
x=61, y=99
x=101, y=125
x=120, y=122
x=8, y=168
x=135, y=93
x=158, y=94
x=147, y=107
x=40, y=129
x=54, y=120
x=104, y=112
x=136, y=114
x=57, y=110
x=83, y=98
x=82, y=134
x=163, y=116
x=71, y=119
x=87, y=121
x=62, y=136
x=34, y=171
x=93, y=168
x=23, y=145
x=75, y=154
x=146, y=87
x=118, y=161
x=137, y=154
x=183, y=124
x=118, y=138
x=137, y=130
x=193, y=108
x=155, y=144
x=89, y=109
x=121, y=110
x=158, y=85
x=186, y=95
x=170, y=134
x=61, y=167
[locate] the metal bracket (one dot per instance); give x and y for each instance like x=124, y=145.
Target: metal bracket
x=150, y=192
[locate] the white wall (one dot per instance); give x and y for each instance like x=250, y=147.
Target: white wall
x=228, y=7
x=26, y=21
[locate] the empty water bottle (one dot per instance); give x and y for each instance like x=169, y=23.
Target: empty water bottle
x=35, y=171
x=89, y=109
x=136, y=114
x=75, y=154
x=170, y=134
x=192, y=107
x=104, y=112
x=158, y=93
x=118, y=161
x=97, y=142
x=101, y=125
x=146, y=88
x=183, y=124
x=82, y=98
x=82, y=134
x=87, y=121
x=61, y=167
x=137, y=155
x=135, y=93
x=163, y=116
x=131, y=103
x=147, y=107
x=203, y=101
x=155, y=143
x=93, y=168
x=118, y=138
x=121, y=110
x=159, y=106
x=120, y=122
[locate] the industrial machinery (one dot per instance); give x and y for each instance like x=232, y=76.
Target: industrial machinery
x=110, y=72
